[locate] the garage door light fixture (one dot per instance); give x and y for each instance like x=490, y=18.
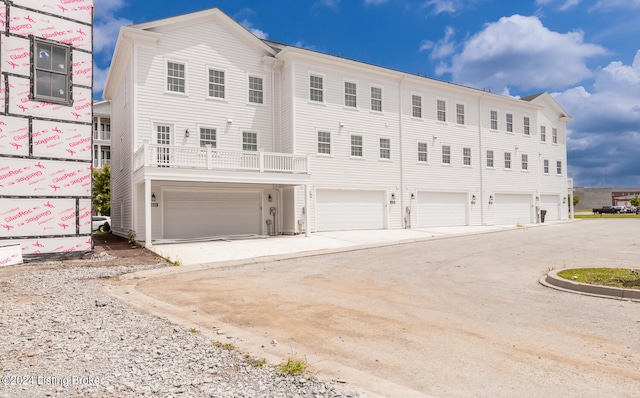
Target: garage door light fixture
x=490, y=199
x=153, y=197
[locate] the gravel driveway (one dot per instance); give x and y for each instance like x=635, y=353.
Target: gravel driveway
x=456, y=317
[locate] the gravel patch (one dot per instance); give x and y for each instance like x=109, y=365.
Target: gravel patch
x=61, y=336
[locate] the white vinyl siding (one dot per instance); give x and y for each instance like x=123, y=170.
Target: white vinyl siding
x=176, y=77
x=376, y=99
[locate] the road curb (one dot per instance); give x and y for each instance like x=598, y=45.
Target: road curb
x=552, y=280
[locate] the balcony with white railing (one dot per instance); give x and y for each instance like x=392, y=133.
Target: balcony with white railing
x=207, y=158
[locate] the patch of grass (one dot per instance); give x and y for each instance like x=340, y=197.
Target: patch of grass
x=224, y=346
x=607, y=215
x=293, y=367
x=255, y=362
x=614, y=277
x=193, y=330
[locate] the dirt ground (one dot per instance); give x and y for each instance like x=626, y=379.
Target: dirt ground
x=456, y=317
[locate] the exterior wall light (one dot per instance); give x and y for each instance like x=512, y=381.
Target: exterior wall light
x=473, y=199
x=186, y=133
x=270, y=198
x=153, y=197
x=490, y=199
x=229, y=121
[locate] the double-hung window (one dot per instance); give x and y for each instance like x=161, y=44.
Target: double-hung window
x=249, y=141
x=554, y=135
x=422, y=152
x=256, y=90
x=385, y=148
x=507, y=160
x=176, y=77
x=356, y=146
x=376, y=99
x=216, y=83
x=324, y=142
x=460, y=113
x=350, y=95
x=208, y=137
x=525, y=161
x=446, y=154
x=489, y=158
x=416, y=104
x=546, y=166
x=316, y=88
x=527, y=125
x=442, y=110
x=543, y=133
x=559, y=167
x=509, y=123
x=52, y=72
x=466, y=156
x=494, y=120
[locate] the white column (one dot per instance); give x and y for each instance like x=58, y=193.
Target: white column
x=147, y=212
x=307, y=228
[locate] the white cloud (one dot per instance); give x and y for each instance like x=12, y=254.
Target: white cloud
x=519, y=51
x=105, y=33
x=626, y=4
x=259, y=33
x=443, y=48
x=374, y=2
x=564, y=4
x=441, y=6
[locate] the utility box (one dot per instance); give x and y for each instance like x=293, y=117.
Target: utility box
x=46, y=90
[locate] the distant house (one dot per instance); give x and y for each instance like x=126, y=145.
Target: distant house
x=45, y=126
x=222, y=133
x=101, y=133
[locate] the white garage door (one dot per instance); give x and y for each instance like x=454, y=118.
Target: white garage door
x=442, y=209
x=512, y=209
x=550, y=203
x=343, y=210
x=189, y=214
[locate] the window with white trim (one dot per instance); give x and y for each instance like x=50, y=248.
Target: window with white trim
x=376, y=99
x=176, y=77
x=208, y=137
x=554, y=135
x=466, y=156
x=446, y=154
x=316, y=88
x=543, y=133
x=460, y=113
x=509, y=122
x=527, y=125
x=507, y=160
x=416, y=105
x=423, y=152
x=356, y=146
x=559, y=167
x=525, y=161
x=385, y=148
x=256, y=90
x=442, y=110
x=494, y=120
x=350, y=94
x=489, y=158
x=249, y=141
x=545, y=163
x=324, y=142
x=216, y=83
x=52, y=72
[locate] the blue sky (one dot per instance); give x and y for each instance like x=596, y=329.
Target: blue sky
x=586, y=53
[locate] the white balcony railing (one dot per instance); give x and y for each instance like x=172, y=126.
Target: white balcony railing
x=153, y=155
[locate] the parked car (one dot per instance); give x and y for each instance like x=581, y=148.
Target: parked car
x=619, y=209
x=607, y=209
x=98, y=222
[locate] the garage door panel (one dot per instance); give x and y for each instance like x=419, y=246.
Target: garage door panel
x=210, y=213
x=512, y=209
x=550, y=203
x=442, y=209
x=344, y=210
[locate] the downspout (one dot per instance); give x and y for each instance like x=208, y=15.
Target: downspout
x=402, y=205
x=481, y=168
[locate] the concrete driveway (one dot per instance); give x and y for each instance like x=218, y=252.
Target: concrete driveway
x=457, y=317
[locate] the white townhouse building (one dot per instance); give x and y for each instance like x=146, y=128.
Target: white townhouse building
x=222, y=133
x=101, y=133
x=46, y=84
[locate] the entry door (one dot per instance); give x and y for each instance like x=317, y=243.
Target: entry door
x=163, y=137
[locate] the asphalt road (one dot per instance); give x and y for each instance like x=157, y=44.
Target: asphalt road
x=463, y=316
